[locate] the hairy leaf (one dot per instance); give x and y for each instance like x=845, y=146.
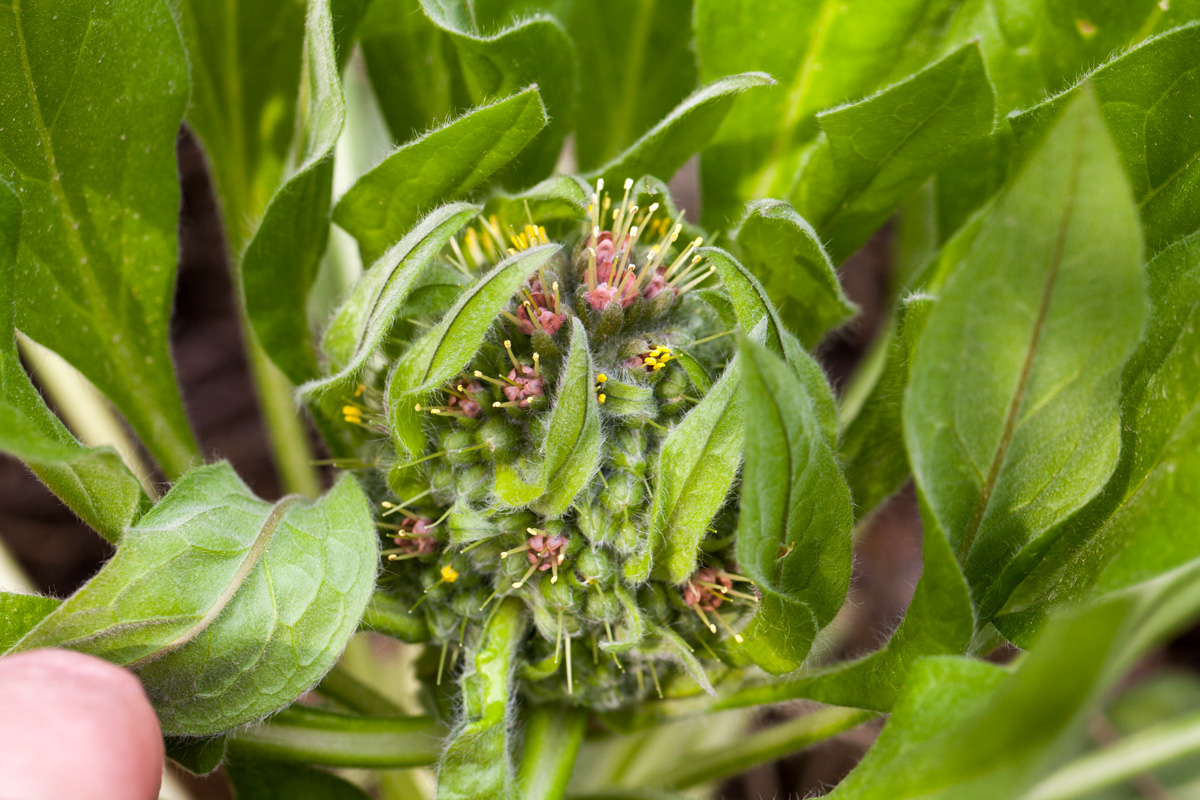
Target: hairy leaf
x=93, y=482
x=252, y=780
x=663, y=149
x=19, y=613
x=785, y=253
x=442, y=165
x=281, y=261
x=874, y=153
x=1011, y=417
x=89, y=146
x=573, y=437
x=227, y=607
x=795, y=520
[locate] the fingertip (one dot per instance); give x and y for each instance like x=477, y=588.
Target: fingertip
x=76, y=726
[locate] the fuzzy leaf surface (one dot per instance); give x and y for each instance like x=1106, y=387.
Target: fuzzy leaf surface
x=786, y=254
x=93, y=481
x=442, y=165
x=19, y=614
x=226, y=606
x=1011, y=415
x=795, y=520
x=874, y=153
x=89, y=146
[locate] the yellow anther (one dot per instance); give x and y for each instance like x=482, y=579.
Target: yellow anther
x=601, y=378
x=449, y=574
x=359, y=390
x=351, y=411
x=602, y=397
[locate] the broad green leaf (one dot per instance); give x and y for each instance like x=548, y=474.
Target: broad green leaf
x=533, y=51
x=822, y=53
x=245, y=58
x=939, y=621
x=964, y=729
x=874, y=153
x=785, y=253
x=362, y=323
x=89, y=146
x=639, y=64
x=1011, y=416
x=663, y=149
x=253, y=780
x=245, y=602
x=573, y=438
x=19, y=613
x=1147, y=98
x=757, y=317
x=446, y=348
x=93, y=482
x=477, y=762
x=696, y=468
x=1131, y=532
x=281, y=261
x=795, y=520
x=442, y=165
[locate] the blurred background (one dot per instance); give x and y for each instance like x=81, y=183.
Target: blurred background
x=56, y=553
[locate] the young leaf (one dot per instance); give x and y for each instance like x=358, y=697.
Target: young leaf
x=697, y=465
x=534, y=51
x=245, y=602
x=1130, y=533
x=477, y=762
x=822, y=53
x=281, y=261
x=640, y=64
x=447, y=347
x=89, y=146
x=784, y=251
x=874, y=153
x=663, y=149
x=442, y=165
x=1011, y=417
x=252, y=780
x=93, y=482
x=364, y=320
x=795, y=521
x=1147, y=97
x=19, y=613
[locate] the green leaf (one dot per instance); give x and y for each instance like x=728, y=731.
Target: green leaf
x=281, y=261
x=442, y=165
x=446, y=348
x=696, y=468
x=19, y=613
x=785, y=253
x=363, y=322
x=640, y=64
x=264, y=781
x=966, y=729
x=477, y=761
x=1131, y=532
x=1011, y=417
x=245, y=58
x=874, y=153
x=534, y=51
x=93, y=482
x=198, y=756
x=391, y=617
x=822, y=53
x=663, y=149
x=89, y=147
x=1147, y=98
x=939, y=620
x=245, y=602
x=795, y=520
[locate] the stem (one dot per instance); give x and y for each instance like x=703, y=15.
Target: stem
x=390, y=617
x=765, y=746
x=342, y=687
x=84, y=409
x=552, y=738
x=1127, y=759
x=285, y=428
x=301, y=735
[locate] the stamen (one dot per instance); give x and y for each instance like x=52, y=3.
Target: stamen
x=737, y=637
x=442, y=661
x=654, y=675
x=570, y=683
x=527, y=576
x=537, y=361
x=508, y=348
x=700, y=612
x=520, y=549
